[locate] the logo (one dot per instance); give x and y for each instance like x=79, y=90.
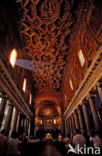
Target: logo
x=84, y=150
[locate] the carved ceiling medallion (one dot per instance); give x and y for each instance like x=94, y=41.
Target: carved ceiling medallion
x=46, y=9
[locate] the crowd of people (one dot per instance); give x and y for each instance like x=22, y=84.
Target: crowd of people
x=12, y=146
x=9, y=146
x=16, y=145
x=79, y=140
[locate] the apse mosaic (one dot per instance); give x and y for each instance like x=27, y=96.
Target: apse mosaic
x=45, y=28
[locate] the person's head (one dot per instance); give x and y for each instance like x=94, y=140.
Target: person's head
x=14, y=134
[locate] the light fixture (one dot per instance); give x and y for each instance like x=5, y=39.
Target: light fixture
x=30, y=99
x=24, y=85
x=71, y=84
x=13, y=57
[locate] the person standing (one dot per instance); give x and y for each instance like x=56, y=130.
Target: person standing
x=3, y=143
x=78, y=140
x=13, y=144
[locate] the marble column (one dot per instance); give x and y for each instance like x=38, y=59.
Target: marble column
x=73, y=123
x=18, y=119
x=8, y=119
x=99, y=89
x=63, y=125
x=81, y=119
x=29, y=129
x=71, y=128
x=86, y=116
x=67, y=127
x=2, y=109
x=77, y=125
x=13, y=122
x=94, y=113
x=26, y=129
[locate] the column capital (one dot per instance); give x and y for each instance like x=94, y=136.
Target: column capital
x=90, y=95
x=85, y=102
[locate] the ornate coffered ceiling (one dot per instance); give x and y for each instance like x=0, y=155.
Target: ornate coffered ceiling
x=45, y=29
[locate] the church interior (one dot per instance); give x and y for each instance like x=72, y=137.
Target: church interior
x=50, y=70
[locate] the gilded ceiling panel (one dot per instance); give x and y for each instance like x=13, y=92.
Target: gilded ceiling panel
x=45, y=29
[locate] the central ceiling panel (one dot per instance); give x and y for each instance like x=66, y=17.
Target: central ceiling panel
x=45, y=28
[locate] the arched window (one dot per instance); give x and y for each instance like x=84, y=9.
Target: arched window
x=71, y=84
x=81, y=57
x=30, y=99
x=13, y=57
x=24, y=85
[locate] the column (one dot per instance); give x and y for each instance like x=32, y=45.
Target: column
x=65, y=127
x=86, y=116
x=73, y=123
x=8, y=119
x=13, y=122
x=81, y=119
x=94, y=113
x=26, y=129
x=71, y=128
x=68, y=131
x=29, y=129
x=2, y=109
x=99, y=89
x=76, y=120
x=20, y=126
x=18, y=119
